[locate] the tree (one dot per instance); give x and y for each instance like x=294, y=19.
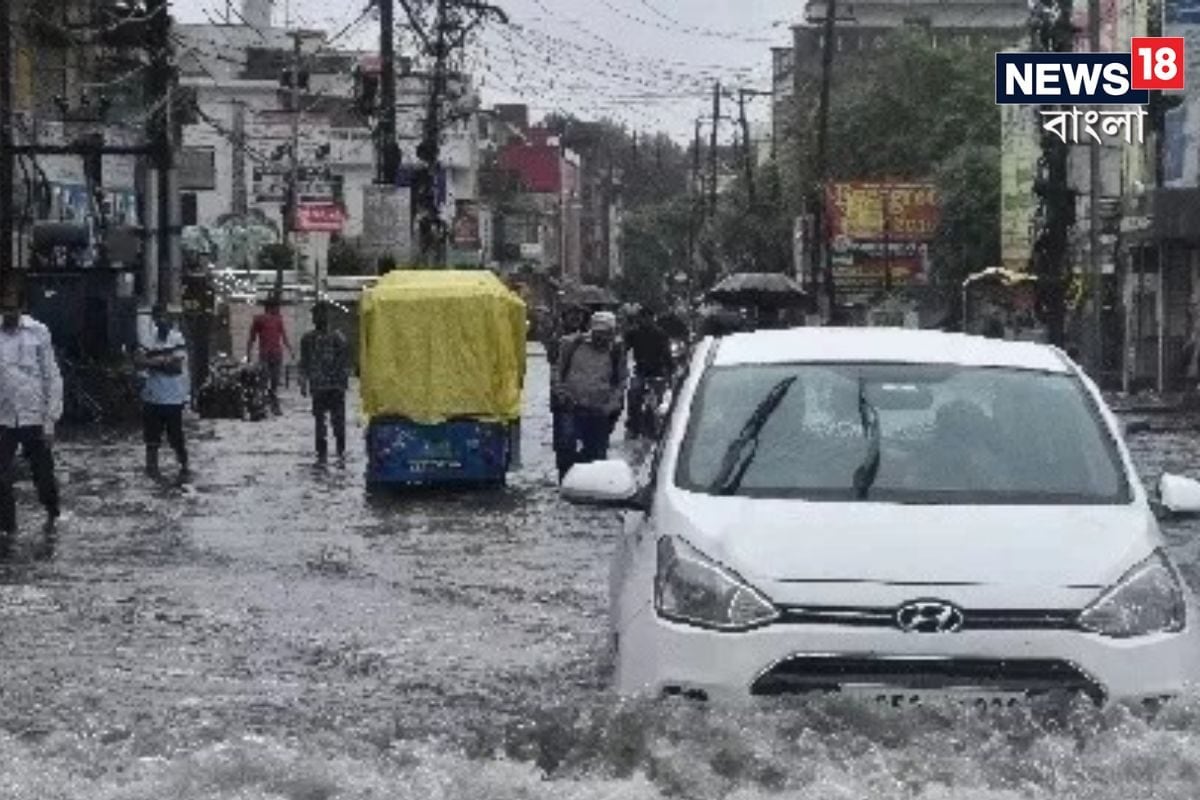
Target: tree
x=275, y=257
x=655, y=247
x=901, y=114
x=755, y=237
x=968, y=237
x=912, y=111
x=346, y=259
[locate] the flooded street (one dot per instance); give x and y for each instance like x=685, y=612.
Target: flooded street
x=276, y=633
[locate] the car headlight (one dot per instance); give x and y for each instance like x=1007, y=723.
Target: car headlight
x=693, y=589
x=1149, y=599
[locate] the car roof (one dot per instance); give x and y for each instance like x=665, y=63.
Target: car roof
x=885, y=345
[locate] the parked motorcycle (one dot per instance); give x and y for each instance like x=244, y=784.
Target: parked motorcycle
x=234, y=390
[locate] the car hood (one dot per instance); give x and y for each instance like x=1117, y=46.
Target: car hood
x=813, y=545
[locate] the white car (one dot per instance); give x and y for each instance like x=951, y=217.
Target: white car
x=897, y=513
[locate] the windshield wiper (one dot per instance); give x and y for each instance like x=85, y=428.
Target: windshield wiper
x=868, y=471
x=738, y=456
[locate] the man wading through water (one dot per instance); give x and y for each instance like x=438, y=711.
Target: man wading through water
x=588, y=391
x=271, y=334
x=165, y=391
x=31, y=402
x=325, y=373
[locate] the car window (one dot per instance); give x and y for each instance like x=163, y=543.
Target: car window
x=919, y=433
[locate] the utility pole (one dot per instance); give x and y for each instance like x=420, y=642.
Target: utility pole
x=712, y=148
x=241, y=202
x=823, y=260
x=746, y=149
x=1053, y=32
x=6, y=142
x=695, y=211
x=887, y=240
x=1097, y=278
x=157, y=281
x=389, y=153
x=293, y=205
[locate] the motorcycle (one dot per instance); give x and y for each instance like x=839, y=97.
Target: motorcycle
x=646, y=415
x=234, y=390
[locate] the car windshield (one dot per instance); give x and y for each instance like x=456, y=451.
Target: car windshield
x=899, y=433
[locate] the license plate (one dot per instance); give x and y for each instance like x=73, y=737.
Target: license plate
x=901, y=698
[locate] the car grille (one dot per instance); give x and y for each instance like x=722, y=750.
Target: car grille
x=812, y=673
x=973, y=619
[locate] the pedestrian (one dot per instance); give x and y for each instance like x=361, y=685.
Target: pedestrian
x=650, y=347
x=325, y=374
x=166, y=390
x=572, y=321
x=588, y=388
x=31, y=402
x=270, y=332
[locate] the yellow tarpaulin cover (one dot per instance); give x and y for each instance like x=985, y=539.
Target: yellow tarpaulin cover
x=434, y=345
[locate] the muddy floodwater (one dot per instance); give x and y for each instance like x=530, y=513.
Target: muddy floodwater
x=275, y=633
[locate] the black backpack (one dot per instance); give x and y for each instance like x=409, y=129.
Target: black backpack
x=616, y=351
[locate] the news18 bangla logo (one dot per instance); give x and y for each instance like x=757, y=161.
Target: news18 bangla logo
x=1070, y=80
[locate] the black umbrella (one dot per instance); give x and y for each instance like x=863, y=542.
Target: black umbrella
x=769, y=289
x=590, y=297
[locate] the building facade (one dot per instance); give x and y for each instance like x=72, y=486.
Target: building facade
x=239, y=148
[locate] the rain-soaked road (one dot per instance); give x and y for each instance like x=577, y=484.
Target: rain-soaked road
x=275, y=634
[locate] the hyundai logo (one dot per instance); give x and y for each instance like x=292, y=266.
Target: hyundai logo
x=929, y=616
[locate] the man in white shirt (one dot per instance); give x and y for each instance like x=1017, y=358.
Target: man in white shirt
x=30, y=404
x=162, y=356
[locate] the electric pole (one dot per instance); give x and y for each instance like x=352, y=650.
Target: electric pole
x=695, y=211
x=293, y=205
x=746, y=150
x=6, y=142
x=241, y=202
x=389, y=153
x=1097, y=278
x=823, y=260
x=1053, y=32
x=712, y=148
x=430, y=226
x=158, y=281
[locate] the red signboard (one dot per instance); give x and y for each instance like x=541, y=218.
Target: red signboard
x=320, y=218
x=879, y=233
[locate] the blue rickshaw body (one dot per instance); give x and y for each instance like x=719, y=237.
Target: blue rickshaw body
x=458, y=452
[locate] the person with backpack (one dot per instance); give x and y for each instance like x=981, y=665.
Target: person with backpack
x=587, y=393
x=325, y=374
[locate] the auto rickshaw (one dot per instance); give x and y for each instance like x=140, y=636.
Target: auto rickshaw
x=442, y=359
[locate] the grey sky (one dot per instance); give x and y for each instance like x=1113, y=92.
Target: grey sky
x=646, y=63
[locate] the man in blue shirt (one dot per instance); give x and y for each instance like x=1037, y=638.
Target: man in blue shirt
x=325, y=373
x=165, y=391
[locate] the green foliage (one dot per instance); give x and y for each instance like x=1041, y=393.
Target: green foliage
x=755, y=236
x=275, y=257
x=901, y=114
x=911, y=111
x=346, y=259
x=655, y=247
x=968, y=238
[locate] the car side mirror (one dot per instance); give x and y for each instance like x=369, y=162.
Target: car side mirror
x=606, y=484
x=1179, y=495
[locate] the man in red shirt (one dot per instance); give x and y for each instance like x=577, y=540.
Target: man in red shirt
x=271, y=334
